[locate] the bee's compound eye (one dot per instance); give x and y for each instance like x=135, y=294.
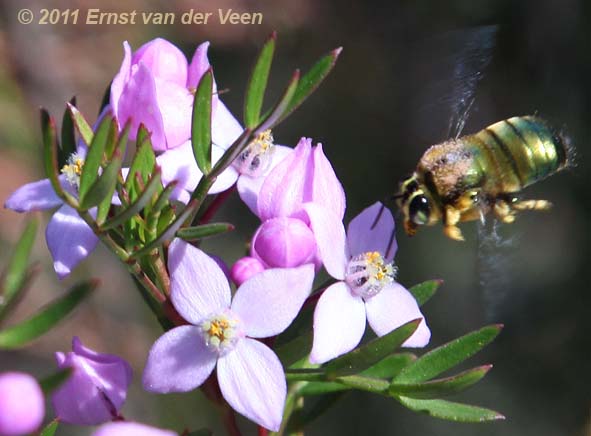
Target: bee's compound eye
x=419, y=209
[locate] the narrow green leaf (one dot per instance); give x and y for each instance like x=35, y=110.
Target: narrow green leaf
x=29, y=275
x=305, y=374
x=201, y=432
x=94, y=157
x=451, y=411
x=257, y=84
x=277, y=112
x=168, y=233
x=447, y=356
x=50, y=152
x=84, y=129
x=201, y=122
x=204, y=231
x=23, y=333
x=322, y=388
x=390, y=366
x=104, y=186
x=54, y=381
x=362, y=383
x=15, y=273
x=372, y=352
x=424, y=291
x=441, y=387
x=50, y=428
x=68, y=144
x=311, y=80
x=135, y=207
x=143, y=163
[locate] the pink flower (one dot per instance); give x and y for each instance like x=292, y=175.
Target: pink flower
x=22, y=406
x=97, y=388
x=286, y=237
x=131, y=429
x=223, y=332
x=362, y=262
x=245, y=268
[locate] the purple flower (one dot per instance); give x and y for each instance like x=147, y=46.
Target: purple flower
x=97, y=388
x=245, y=268
x=286, y=237
x=153, y=87
x=223, y=332
x=68, y=237
x=131, y=429
x=362, y=262
x=22, y=406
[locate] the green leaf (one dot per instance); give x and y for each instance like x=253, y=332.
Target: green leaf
x=68, y=145
x=321, y=388
x=362, y=383
x=143, y=163
x=447, y=356
x=94, y=157
x=204, y=231
x=277, y=112
x=135, y=207
x=81, y=124
x=103, y=188
x=54, y=381
x=424, y=291
x=311, y=80
x=50, y=149
x=390, y=366
x=14, y=276
x=441, y=387
x=201, y=122
x=200, y=432
x=257, y=84
x=451, y=411
x=23, y=333
x=372, y=352
x=50, y=428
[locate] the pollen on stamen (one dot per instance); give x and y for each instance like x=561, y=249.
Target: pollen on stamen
x=221, y=332
x=368, y=273
x=73, y=169
x=256, y=157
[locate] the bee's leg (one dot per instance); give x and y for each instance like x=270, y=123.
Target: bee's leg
x=504, y=211
x=531, y=205
x=451, y=219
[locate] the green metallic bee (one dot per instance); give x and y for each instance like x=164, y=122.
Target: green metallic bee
x=463, y=179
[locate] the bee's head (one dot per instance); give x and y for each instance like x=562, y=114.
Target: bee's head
x=416, y=204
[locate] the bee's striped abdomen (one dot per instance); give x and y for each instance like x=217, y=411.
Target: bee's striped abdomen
x=521, y=151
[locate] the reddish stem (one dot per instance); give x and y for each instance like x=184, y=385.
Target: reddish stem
x=263, y=431
x=216, y=204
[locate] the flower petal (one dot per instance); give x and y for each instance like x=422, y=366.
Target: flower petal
x=326, y=187
x=199, y=65
x=225, y=129
x=391, y=308
x=269, y=301
x=198, y=286
x=127, y=428
x=249, y=187
x=122, y=77
x=179, y=361
x=330, y=238
x=339, y=323
x=164, y=60
x=35, y=196
x=372, y=230
x=22, y=406
x=252, y=381
x=139, y=103
x=175, y=104
x=69, y=239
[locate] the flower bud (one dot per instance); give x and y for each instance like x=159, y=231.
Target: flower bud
x=97, y=388
x=284, y=243
x=22, y=406
x=131, y=429
x=245, y=268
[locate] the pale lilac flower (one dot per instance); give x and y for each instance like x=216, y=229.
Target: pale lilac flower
x=245, y=268
x=22, y=406
x=68, y=237
x=97, y=388
x=285, y=237
x=222, y=332
x=123, y=428
x=362, y=262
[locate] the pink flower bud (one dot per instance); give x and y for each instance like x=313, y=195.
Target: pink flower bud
x=130, y=429
x=284, y=243
x=22, y=406
x=245, y=268
x=97, y=388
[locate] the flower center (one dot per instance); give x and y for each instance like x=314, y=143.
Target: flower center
x=221, y=332
x=73, y=170
x=256, y=157
x=368, y=273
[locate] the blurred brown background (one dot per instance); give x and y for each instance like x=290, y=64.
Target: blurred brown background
x=375, y=115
